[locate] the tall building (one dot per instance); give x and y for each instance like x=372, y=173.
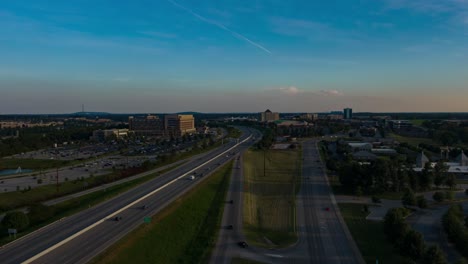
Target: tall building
x=348, y=113
x=269, y=116
x=147, y=126
x=179, y=125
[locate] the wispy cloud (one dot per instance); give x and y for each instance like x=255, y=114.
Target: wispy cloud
x=331, y=93
x=294, y=91
x=221, y=26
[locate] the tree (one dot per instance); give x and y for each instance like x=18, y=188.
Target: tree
x=39, y=212
x=16, y=219
x=426, y=177
x=413, y=245
x=440, y=173
x=462, y=261
x=450, y=181
x=450, y=195
x=421, y=201
x=438, y=196
x=433, y=255
x=395, y=227
x=408, y=197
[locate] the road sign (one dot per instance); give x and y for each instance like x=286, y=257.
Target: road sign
x=147, y=220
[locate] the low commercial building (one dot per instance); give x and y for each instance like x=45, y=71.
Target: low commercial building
x=101, y=135
x=360, y=146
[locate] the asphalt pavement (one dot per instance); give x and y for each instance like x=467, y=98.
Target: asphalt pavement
x=79, y=238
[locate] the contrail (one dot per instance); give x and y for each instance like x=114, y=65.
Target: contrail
x=221, y=26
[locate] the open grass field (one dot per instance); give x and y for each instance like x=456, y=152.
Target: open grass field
x=413, y=141
x=33, y=164
x=417, y=122
x=370, y=237
x=269, y=197
x=184, y=232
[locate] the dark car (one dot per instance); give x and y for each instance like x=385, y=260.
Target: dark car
x=327, y=208
x=117, y=218
x=243, y=244
x=230, y=227
x=144, y=207
x=231, y=201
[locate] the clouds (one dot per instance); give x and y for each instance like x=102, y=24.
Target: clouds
x=294, y=91
x=331, y=93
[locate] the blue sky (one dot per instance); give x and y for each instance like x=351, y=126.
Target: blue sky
x=226, y=55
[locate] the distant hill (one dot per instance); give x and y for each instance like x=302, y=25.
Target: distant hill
x=90, y=114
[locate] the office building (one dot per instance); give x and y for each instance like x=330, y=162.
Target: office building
x=179, y=125
x=348, y=113
x=146, y=126
x=269, y=116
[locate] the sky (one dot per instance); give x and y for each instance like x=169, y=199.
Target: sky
x=233, y=56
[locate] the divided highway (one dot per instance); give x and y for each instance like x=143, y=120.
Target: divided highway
x=323, y=235
x=79, y=238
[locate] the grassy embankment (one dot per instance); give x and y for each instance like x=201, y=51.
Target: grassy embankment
x=75, y=205
x=369, y=236
x=184, y=232
x=269, y=200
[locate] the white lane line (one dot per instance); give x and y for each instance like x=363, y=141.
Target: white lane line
x=30, y=260
x=274, y=255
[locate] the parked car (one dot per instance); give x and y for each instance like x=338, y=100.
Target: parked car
x=243, y=244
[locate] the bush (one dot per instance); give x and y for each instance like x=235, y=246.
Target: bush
x=395, y=227
x=408, y=197
x=39, y=213
x=433, y=255
x=421, y=201
x=16, y=219
x=438, y=196
x=413, y=245
x=449, y=195
x=376, y=199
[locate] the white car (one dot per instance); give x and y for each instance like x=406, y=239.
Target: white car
x=192, y=177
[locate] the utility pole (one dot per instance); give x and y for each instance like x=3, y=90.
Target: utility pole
x=57, y=180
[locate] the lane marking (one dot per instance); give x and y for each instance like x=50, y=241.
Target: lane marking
x=274, y=255
x=30, y=260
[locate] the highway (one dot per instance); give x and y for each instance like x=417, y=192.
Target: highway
x=323, y=236
x=79, y=238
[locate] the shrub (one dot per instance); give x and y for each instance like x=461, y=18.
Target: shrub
x=438, y=196
x=449, y=195
x=421, y=201
x=376, y=199
x=16, y=219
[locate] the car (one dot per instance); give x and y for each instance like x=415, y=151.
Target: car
x=230, y=227
x=327, y=209
x=144, y=207
x=117, y=218
x=243, y=244
x=231, y=201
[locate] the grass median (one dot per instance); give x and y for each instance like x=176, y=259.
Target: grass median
x=183, y=232
x=269, y=196
x=369, y=236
